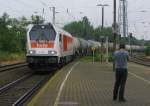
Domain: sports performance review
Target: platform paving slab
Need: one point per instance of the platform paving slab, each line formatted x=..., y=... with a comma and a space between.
x=88, y=84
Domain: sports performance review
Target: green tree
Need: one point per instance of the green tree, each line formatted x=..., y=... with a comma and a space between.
x=85, y=30
x=12, y=33
x=80, y=29
x=36, y=19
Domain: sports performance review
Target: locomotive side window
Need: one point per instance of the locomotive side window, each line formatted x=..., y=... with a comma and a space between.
x=60, y=38
x=38, y=32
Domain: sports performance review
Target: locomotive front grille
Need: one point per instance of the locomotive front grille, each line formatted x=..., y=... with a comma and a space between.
x=42, y=59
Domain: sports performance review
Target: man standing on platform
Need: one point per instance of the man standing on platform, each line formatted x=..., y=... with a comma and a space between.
x=121, y=58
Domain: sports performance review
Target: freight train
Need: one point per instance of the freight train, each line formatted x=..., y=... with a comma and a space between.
x=48, y=44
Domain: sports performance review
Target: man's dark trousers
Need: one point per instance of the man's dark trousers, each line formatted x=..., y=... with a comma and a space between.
x=121, y=77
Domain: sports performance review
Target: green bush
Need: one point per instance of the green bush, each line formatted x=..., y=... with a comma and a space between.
x=147, y=51
x=6, y=56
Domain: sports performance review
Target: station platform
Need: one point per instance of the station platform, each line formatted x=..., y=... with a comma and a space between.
x=91, y=84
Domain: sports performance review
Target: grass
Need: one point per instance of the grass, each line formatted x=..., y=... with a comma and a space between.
x=6, y=57
x=98, y=57
x=86, y=59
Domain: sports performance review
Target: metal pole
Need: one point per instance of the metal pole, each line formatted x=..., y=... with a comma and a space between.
x=115, y=32
x=43, y=13
x=130, y=42
x=114, y=25
x=124, y=19
x=93, y=55
x=54, y=15
x=102, y=18
x=102, y=5
x=54, y=12
x=102, y=45
x=107, y=56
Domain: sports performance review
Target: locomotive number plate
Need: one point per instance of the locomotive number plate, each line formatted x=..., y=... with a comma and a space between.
x=42, y=52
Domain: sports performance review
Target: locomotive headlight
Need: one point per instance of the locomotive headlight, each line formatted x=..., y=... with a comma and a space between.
x=52, y=52
x=31, y=51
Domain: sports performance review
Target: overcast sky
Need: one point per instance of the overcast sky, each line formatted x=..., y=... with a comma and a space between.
x=139, y=22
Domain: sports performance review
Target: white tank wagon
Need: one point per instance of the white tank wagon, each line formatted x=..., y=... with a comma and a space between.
x=95, y=44
x=136, y=48
x=89, y=45
x=83, y=46
x=98, y=44
x=76, y=45
x=142, y=48
x=48, y=44
x=89, y=49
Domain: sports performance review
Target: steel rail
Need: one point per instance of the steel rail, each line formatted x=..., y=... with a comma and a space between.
x=12, y=66
x=29, y=93
x=140, y=60
x=8, y=86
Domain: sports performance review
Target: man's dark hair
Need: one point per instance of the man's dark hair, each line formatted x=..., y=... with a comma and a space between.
x=122, y=46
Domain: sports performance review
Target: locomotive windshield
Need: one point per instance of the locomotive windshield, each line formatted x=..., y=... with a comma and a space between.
x=42, y=32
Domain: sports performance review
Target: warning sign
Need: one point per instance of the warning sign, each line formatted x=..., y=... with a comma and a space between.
x=93, y=48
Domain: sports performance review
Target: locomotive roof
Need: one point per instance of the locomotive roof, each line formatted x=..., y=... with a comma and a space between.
x=57, y=29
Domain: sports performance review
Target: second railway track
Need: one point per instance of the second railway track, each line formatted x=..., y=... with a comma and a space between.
x=140, y=60
x=15, y=93
x=12, y=66
x=20, y=83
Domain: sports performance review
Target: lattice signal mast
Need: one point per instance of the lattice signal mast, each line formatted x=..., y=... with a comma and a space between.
x=123, y=18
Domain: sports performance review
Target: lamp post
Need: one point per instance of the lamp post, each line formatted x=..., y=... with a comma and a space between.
x=102, y=27
x=54, y=14
x=102, y=5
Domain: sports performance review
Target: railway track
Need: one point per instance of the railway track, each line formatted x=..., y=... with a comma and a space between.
x=24, y=83
x=12, y=66
x=18, y=91
x=13, y=72
x=20, y=83
x=30, y=92
x=140, y=60
x=8, y=86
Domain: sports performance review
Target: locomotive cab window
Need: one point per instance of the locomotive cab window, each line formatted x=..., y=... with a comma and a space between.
x=42, y=32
